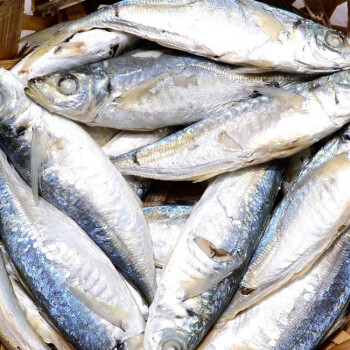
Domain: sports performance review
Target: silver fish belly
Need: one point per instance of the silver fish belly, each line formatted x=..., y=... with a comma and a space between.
x=249, y=133
x=80, y=180
x=298, y=316
x=217, y=241
x=147, y=89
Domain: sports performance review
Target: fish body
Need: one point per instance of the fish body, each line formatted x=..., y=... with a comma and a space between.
x=15, y=330
x=252, y=132
x=299, y=315
x=165, y=223
x=69, y=276
x=241, y=32
x=78, y=179
x=217, y=241
x=147, y=89
x=82, y=48
x=310, y=217
x=101, y=135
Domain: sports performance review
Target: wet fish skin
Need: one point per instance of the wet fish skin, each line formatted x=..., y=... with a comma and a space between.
x=15, y=330
x=315, y=212
x=24, y=299
x=148, y=89
x=101, y=135
x=249, y=133
x=299, y=315
x=217, y=241
x=67, y=273
x=259, y=35
x=166, y=223
x=80, y=180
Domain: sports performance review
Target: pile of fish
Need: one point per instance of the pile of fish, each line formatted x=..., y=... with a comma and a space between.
x=251, y=100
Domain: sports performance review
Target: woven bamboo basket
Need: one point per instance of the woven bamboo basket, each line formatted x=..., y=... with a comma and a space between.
x=46, y=13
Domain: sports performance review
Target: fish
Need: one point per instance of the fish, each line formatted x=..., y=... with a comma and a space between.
x=165, y=223
x=252, y=132
x=240, y=32
x=68, y=275
x=298, y=316
x=73, y=174
x=216, y=242
x=15, y=330
x=71, y=44
x=314, y=212
x=147, y=89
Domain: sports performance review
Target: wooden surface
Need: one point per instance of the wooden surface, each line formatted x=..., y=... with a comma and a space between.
x=161, y=192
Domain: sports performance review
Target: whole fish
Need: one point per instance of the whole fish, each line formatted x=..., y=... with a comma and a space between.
x=165, y=223
x=15, y=330
x=147, y=89
x=237, y=32
x=217, y=241
x=315, y=211
x=79, y=179
x=249, y=133
x=78, y=49
x=298, y=316
x=69, y=276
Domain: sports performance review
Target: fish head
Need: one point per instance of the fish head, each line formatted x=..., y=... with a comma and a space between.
x=13, y=100
x=326, y=49
x=74, y=94
x=160, y=338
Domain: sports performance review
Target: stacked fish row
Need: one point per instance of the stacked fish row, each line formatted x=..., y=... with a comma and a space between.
x=260, y=262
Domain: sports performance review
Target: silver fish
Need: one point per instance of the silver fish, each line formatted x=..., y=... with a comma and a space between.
x=311, y=216
x=147, y=89
x=69, y=276
x=217, y=241
x=79, y=179
x=15, y=330
x=250, y=133
x=71, y=44
x=237, y=32
x=298, y=316
x=165, y=223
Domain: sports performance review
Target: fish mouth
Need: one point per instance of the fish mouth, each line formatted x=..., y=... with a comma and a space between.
x=35, y=94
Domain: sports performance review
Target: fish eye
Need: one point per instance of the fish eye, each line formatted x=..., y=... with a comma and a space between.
x=172, y=344
x=67, y=85
x=334, y=39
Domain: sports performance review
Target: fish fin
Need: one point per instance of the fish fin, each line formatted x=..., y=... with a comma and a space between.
x=70, y=49
x=284, y=96
x=134, y=95
x=203, y=177
x=38, y=156
x=38, y=38
x=269, y=24
x=100, y=307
